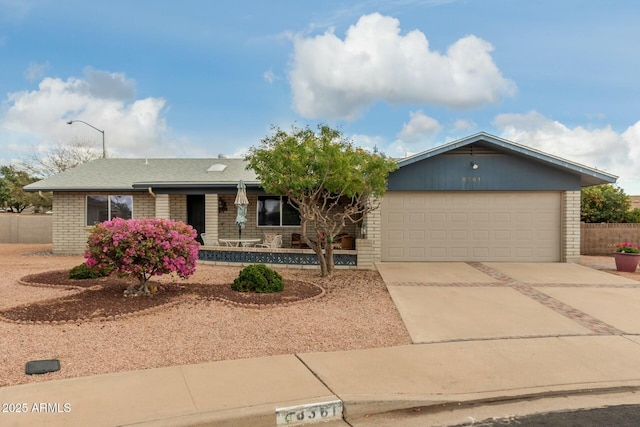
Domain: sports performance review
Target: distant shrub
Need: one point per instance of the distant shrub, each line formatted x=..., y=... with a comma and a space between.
x=258, y=278
x=83, y=271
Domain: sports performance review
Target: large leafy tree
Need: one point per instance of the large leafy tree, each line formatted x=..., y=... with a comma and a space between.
x=326, y=178
x=604, y=203
x=11, y=194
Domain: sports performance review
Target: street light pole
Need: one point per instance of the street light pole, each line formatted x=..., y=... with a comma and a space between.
x=104, y=151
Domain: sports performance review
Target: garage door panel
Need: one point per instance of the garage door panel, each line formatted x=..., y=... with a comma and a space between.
x=416, y=217
x=436, y=235
x=416, y=252
x=459, y=217
x=396, y=218
x=437, y=253
x=480, y=235
x=502, y=235
x=395, y=252
x=471, y=226
x=502, y=217
x=459, y=235
x=419, y=235
x=479, y=217
x=481, y=253
x=395, y=235
x=460, y=252
x=501, y=253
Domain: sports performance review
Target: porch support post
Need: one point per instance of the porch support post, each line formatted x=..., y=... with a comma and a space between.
x=211, y=215
x=162, y=206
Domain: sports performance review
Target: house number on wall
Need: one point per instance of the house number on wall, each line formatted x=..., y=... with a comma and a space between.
x=470, y=179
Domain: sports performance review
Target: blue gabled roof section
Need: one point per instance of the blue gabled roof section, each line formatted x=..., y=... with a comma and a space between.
x=588, y=175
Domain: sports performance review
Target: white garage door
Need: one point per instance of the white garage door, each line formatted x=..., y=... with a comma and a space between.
x=471, y=226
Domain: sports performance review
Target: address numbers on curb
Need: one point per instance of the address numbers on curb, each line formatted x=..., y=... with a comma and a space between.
x=310, y=413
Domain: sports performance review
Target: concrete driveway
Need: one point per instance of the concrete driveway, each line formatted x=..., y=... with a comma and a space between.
x=460, y=301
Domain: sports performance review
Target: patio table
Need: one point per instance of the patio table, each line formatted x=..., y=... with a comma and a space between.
x=240, y=242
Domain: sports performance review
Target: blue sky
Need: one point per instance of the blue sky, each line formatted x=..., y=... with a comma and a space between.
x=203, y=78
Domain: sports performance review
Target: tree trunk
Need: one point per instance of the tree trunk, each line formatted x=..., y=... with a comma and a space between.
x=329, y=258
x=317, y=247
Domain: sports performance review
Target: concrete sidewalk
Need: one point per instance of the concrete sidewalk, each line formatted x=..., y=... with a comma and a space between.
x=482, y=333
x=248, y=392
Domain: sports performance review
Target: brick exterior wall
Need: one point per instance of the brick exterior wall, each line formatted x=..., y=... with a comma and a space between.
x=178, y=207
x=69, y=227
x=373, y=222
x=163, y=209
x=70, y=231
x=570, y=227
x=211, y=216
x=144, y=205
x=365, y=254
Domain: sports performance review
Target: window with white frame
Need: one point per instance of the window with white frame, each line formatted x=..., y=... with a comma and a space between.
x=102, y=208
x=275, y=211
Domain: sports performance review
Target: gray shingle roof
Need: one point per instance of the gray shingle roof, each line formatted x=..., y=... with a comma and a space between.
x=127, y=174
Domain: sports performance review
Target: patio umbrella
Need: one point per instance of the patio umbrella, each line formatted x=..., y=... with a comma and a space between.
x=241, y=204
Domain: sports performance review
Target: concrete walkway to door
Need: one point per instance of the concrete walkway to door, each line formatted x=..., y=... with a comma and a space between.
x=457, y=301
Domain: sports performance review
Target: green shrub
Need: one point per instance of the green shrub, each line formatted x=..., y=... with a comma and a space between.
x=82, y=271
x=258, y=278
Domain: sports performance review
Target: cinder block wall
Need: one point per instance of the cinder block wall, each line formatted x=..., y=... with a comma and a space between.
x=601, y=239
x=25, y=228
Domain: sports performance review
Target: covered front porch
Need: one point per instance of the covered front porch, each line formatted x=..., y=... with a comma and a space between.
x=214, y=215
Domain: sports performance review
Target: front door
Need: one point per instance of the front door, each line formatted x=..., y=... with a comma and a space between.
x=195, y=213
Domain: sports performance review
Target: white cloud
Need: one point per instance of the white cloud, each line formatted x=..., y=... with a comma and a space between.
x=603, y=148
x=419, y=128
x=463, y=125
x=335, y=78
x=269, y=76
x=105, y=85
x=14, y=10
x=36, y=71
x=368, y=142
x=133, y=127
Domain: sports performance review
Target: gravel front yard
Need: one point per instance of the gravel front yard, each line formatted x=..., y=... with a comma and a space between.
x=356, y=312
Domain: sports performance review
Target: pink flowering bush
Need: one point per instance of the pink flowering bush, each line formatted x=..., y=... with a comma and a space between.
x=142, y=248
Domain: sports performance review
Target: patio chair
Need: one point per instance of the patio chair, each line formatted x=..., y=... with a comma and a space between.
x=343, y=241
x=207, y=240
x=271, y=241
x=296, y=241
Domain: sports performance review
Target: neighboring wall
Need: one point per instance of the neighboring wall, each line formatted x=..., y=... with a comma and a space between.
x=601, y=239
x=25, y=228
